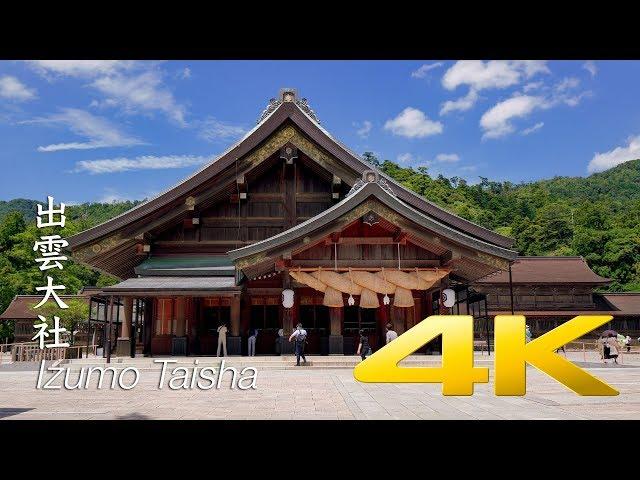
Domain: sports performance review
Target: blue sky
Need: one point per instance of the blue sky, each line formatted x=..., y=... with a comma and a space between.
x=113, y=130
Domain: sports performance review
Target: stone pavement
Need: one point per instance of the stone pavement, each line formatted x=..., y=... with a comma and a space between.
x=322, y=393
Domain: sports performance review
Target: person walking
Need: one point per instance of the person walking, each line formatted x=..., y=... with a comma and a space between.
x=612, y=351
x=391, y=333
x=222, y=339
x=627, y=343
x=527, y=334
x=251, y=342
x=364, y=349
x=300, y=336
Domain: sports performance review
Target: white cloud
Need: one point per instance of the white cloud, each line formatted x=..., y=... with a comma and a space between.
x=574, y=100
x=607, y=160
x=144, y=92
x=136, y=87
x=424, y=69
x=111, y=195
x=496, y=122
x=365, y=129
x=13, y=89
x=405, y=158
x=590, y=66
x=186, y=73
x=99, y=131
x=79, y=68
x=480, y=75
x=567, y=83
x=461, y=104
x=468, y=168
x=532, y=86
x=532, y=129
x=214, y=130
x=147, y=162
x=412, y=123
x=447, y=158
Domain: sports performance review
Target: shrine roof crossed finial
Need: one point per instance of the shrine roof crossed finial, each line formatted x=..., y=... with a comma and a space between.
x=288, y=95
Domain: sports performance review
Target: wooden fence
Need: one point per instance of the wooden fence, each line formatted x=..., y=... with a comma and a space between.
x=31, y=352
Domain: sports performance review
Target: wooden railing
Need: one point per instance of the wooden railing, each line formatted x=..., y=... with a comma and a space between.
x=31, y=352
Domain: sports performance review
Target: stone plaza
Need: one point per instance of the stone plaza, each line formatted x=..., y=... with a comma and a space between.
x=325, y=389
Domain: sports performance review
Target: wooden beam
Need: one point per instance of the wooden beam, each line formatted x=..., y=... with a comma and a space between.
x=195, y=243
x=365, y=264
x=366, y=241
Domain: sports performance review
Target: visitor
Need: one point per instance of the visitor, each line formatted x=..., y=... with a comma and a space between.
x=279, y=337
x=364, y=350
x=611, y=348
x=527, y=334
x=222, y=339
x=627, y=343
x=391, y=334
x=300, y=336
x=252, y=342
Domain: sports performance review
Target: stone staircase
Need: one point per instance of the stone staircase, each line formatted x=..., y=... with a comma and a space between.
x=285, y=362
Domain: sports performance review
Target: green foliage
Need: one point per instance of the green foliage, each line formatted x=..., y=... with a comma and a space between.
x=597, y=217
x=77, y=312
x=18, y=231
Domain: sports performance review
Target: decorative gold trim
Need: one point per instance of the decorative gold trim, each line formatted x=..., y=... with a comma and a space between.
x=86, y=253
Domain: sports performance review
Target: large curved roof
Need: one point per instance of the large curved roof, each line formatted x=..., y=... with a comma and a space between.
x=287, y=111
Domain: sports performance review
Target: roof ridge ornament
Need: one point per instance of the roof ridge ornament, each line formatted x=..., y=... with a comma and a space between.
x=371, y=176
x=288, y=95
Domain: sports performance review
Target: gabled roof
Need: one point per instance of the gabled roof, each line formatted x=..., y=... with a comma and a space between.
x=207, y=266
x=548, y=270
x=358, y=195
x=185, y=285
x=285, y=112
x=20, y=306
x=624, y=303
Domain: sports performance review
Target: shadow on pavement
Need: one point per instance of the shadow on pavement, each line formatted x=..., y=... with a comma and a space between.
x=8, y=412
x=133, y=416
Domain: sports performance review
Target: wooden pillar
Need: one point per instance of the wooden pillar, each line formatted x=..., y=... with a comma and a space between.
x=335, y=316
x=288, y=315
x=180, y=317
x=148, y=325
x=235, y=316
x=398, y=315
x=125, y=341
x=336, y=340
x=107, y=342
x=128, y=315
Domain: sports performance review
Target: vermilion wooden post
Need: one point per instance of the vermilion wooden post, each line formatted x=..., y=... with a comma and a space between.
x=109, y=326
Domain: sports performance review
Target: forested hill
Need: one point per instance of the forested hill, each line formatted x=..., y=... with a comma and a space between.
x=597, y=217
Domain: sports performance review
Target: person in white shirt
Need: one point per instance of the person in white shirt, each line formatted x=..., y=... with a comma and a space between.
x=252, y=342
x=222, y=339
x=391, y=333
x=300, y=336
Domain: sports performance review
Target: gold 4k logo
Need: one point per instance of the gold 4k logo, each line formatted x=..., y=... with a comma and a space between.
x=512, y=353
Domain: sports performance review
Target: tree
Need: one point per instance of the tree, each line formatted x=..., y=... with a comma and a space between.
x=70, y=318
x=12, y=224
x=371, y=158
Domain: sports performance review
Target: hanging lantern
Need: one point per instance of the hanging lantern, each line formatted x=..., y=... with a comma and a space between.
x=448, y=297
x=386, y=300
x=287, y=298
x=351, y=301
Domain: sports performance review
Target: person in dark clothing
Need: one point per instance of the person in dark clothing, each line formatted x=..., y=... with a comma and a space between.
x=364, y=349
x=300, y=336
